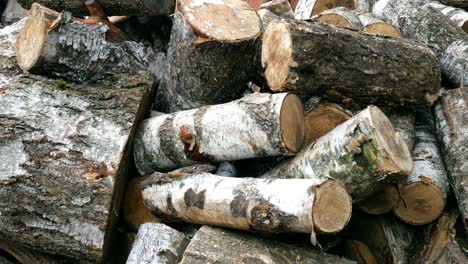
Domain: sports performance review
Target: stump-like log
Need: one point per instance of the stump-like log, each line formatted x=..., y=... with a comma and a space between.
x=340, y=17
x=56, y=45
x=456, y=15
x=381, y=202
x=210, y=55
x=365, y=153
x=112, y=7
x=373, y=25
x=424, y=192
x=262, y=205
x=256, y=125
x=420, y=22
x=452, y=129
x=157, y=243
x=281, y=8
x=216, y=245
x=305, y=9
x=313, y=58
x=359, y=252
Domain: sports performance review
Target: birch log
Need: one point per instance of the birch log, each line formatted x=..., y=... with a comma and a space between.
x=418, y=21
x=311, y=58
x=364, y=153
x=210, y=54
x=261, y=205
x=452, y=130
x=364, y=6
x=256, y=125
x=373, y=25
x=457, y=15
x=381, y=202
x=112, y=8
x=424, y=192
x=156, y=244
x=56, y=45
x=305, y=9
x=404, y=123
x=216, y=245
x=281, y=8
x=340, y=17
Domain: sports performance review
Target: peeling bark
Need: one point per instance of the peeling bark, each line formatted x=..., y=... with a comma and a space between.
x=340, y=17
x=404, y=124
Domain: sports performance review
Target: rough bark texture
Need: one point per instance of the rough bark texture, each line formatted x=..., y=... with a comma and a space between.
x=452, y=129
x=216, y=245
x=64, y=153
x=305, y=9
x=111, y=7
x=356, y=153
x=281, y=8
x=252, y=126
x=340, y=17
x=316, y=59
x=404, y=124
x=418, y=21
x=457, y=15
x=157, y=244
x=187, y=77
x=374, y=25
x=364, y=6
x=269, y=206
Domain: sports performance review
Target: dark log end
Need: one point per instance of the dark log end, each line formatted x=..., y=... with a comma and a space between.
x=292, y=123
x=382, y=202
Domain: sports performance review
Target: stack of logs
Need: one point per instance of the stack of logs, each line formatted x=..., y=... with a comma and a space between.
x=302, y=131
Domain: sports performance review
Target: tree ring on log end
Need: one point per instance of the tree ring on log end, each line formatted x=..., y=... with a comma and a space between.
x=277, y=54
x=31, y=38
x=322, y=5
x=420, y=203
x=221, y=20
x=335, y=20
x=332, y=207
x=382, y=28
x=398, y=156
x=292, y=122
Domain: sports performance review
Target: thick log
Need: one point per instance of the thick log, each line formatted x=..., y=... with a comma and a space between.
x=112, y=8
x=424, y=192
x=457, y=15
x=365, y=153
x=340, y=17
x=359, y=252
x=452, y=130
x=210, y=55
x=261, y=205
x=420, y=22
x=305, y=9
x=281, y=8
x=54, y=45
x=310, y=58
x=373, y=25
x=64, y=151
x=256, y=125
x=157, y=243
x=381, y=202
x=216, y=245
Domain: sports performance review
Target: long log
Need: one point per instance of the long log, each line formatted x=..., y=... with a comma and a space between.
x=420, y=22
x=210, y=55
x=373, y=25
x=310, y=58
x=157, y=243
x=305, y=9
x=364, y=153
x=261, y=205
x=452, y=131
x=64, y=150
x=112, y=8
x=340, y=17
x=456, y=15
x=216, y=245
x=256, y=125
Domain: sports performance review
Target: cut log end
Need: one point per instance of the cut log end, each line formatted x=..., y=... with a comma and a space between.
x=398, y=155
x=322, y=5
x=335, y=20
x=223, y=20
x=332, y=207
x=420, y=203
x=292, y=122
x=384, y=29
x=382, y=202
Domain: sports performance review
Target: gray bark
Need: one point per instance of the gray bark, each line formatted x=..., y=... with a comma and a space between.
x=216, y=245
x=404, y=123
x=281, y=8
x=111, y=7
x=157, y=244
x=457, y=15
x=364, y=6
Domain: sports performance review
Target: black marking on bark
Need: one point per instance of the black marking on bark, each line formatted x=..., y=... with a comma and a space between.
x=167, y=143
x=197, y=120
x=239, y=206
x=170, y=207
x=191, y=198
x=267, y=217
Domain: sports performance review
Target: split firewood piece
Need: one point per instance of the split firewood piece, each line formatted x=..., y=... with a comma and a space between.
x=26, y=256
x=261, y=205
x=359, y=252
x=340, y=17
x=424, y=192
x=217, y=245
x=305, y=9
x=256, y=125
x=112, y=8
x=75, y=51
x=420, y=22
x=281, y=8
x=381, y=202
x=210, y=54
x=373, y=25
x=456, y=15
x=364, y=6
x=157, y=243
x=369, y=70
x=365, y=153
x=452, y=129
x=456, y=3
